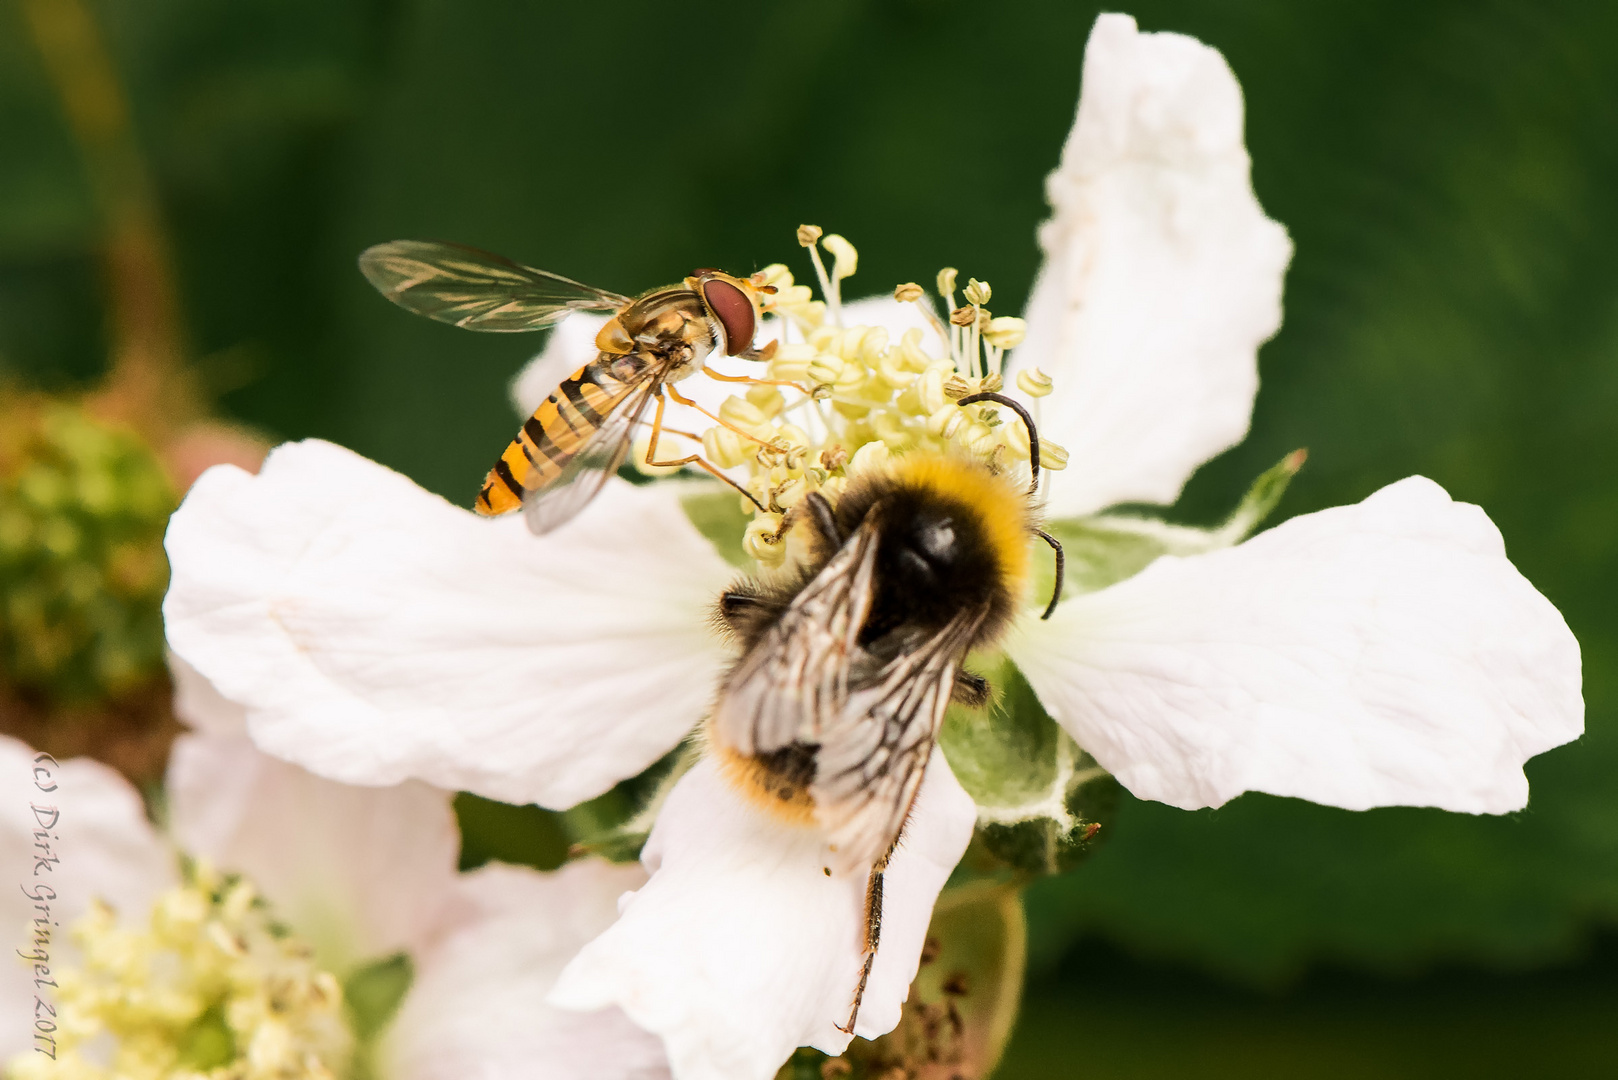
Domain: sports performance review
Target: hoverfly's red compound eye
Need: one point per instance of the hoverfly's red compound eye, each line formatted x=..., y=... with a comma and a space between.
x=734, y=311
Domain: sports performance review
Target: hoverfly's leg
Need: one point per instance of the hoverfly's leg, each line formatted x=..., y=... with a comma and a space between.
x=702, y=463
x=657, y=425
x=658, y=429
x=688, y=403
x=689, y=459
x=753, y=380
x=753, y=353
x=873, y=933
x=673, y=431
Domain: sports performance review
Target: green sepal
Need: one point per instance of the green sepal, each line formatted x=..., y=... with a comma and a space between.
x=1262, y=497
x=208, y=1043
x=1104, y=549
x=373, y=992
x=372, y=995
x=1042, y=802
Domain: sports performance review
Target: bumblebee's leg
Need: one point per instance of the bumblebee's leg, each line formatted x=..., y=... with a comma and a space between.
x=970, y=690
x=736, y=606
x=825, y=519
x=873, y=933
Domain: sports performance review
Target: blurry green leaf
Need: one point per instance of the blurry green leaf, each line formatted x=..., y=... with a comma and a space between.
x=499, y=832
x=615, y=825
x=718, y=516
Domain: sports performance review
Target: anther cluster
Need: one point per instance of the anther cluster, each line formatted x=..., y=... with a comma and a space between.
x=210, y=988
x=847, y=396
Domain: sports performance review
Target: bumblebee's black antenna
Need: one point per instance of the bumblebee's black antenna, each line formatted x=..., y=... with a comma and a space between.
x=1061, y=567
x=1033, y=467
x=1027, y=422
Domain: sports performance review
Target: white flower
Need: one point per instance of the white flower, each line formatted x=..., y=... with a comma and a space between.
x=1368, y=655
x=361, y=874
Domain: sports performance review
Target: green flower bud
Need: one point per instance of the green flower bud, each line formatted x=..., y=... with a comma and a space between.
x=83, y=507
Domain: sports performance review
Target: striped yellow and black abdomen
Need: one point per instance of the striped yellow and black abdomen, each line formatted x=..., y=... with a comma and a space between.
x=549, y=439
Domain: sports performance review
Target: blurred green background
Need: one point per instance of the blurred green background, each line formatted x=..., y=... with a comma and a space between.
x=1448, y=171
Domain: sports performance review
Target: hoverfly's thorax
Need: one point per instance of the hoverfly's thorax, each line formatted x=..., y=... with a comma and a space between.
x=613, y=338
x=672, y=324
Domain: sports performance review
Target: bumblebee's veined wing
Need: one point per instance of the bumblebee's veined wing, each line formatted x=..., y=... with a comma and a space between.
x=793, y=680
x=874, y=753
x=871, y=718
x=474, y=289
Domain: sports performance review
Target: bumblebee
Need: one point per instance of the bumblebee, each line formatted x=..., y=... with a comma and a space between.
x=579, y=435
x=830, y=714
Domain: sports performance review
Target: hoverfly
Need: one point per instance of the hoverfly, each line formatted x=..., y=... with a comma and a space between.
x=830, y=714
x=580, y=434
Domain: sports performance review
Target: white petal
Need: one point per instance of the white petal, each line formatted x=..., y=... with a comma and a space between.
x=200, y=705
x=742, y=947
x=1380, y=654
x=70, y=832
x=1162, y=274
x=476, y=1008
x=896, y=318
x=376, y=633
x=359, y=872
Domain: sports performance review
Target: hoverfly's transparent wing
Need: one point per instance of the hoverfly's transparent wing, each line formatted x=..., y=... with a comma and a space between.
x=556, y=501
x=476, y=290
x=870, y=720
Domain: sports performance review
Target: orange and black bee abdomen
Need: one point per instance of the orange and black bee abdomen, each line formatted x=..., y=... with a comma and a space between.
x=550, y=438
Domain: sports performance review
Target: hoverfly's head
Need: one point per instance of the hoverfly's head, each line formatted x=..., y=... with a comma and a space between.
x=733, y=303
